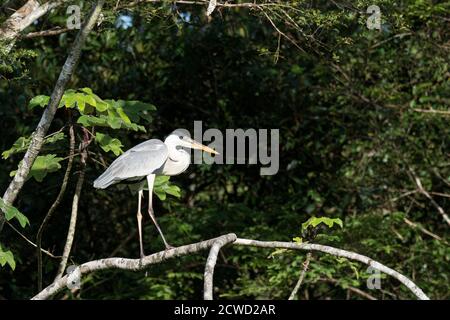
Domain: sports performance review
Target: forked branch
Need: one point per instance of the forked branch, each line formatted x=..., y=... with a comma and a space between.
x=215, y=244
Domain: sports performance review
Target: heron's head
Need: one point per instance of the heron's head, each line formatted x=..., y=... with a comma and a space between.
x=182, y=138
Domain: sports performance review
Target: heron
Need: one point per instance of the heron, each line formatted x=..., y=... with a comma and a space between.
x=144, y=162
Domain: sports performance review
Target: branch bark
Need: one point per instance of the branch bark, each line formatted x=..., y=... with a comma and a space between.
x=140, y=264
x=45, y=33
x=76, y=198
x=129, y=264
x=23, y=18
x=302, y=276
x=422, y=190
x=47, y=117
x=211, y=263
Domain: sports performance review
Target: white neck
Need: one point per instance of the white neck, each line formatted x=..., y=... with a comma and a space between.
x=178, y=161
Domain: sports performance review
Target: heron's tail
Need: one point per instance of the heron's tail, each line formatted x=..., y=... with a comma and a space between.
x=104, y=181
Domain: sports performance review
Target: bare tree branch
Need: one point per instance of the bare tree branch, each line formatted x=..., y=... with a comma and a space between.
x=140, y=264
x=302, y=276
x=422, y=229
x=45, y=33
x=55, y=205
x=419, y=185
x=130, y=264
x=210, y=264
x=24, y=17
x=433, y=111
x=12, y=26
x=29, y=241
x=76, y=198
x=47, y=117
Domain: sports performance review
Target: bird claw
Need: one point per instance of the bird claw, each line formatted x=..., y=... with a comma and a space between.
x=169, y=247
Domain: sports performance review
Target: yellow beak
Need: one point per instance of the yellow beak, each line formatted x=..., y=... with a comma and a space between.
x=197, y=145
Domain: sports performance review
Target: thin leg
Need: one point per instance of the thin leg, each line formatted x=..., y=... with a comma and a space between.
x=151, y=181
x=139, y=220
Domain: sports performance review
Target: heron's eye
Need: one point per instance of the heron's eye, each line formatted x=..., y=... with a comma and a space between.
x=181, y=137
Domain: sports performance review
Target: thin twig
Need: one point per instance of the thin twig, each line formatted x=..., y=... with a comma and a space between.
x=302, y=276
x=55, y=205
x=76, y=198
x=45, y=33
x=31, y=242
x=418, y=182
x=427, y=232
x=432, y=111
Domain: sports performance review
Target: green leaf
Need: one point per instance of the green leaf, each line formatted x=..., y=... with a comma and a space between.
x=163, y=187
x=69, y=99
x=160, y=180
x=114, y=121
x=135, y=110
x=42, y=166
x=7, y=257
x=173, y=190
x=12, y=212
x=123, y=115
x=40, y=100
x=298, y=240
x=160, y=194
x=108, y=143
x=91, y=121
x=87, y=90
x=314, y=222
x=22, y=144
x=90, y=100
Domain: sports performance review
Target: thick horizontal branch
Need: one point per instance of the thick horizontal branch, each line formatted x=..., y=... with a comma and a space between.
x=140, y=264
x=131, y=264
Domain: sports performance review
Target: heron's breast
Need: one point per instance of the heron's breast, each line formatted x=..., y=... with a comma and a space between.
x=172, y=168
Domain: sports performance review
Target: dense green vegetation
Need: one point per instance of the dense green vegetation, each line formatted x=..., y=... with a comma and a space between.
x=355, y=137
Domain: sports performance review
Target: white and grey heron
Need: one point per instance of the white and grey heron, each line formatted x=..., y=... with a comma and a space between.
x=147, y=160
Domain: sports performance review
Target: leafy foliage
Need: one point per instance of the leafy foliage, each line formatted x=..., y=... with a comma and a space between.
x=22, y=144
x=12, y=212
x=314, y=222
x=163, y=187
x=42, y=166
x=6, y=257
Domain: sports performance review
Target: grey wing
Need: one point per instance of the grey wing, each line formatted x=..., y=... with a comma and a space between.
x=139, y=161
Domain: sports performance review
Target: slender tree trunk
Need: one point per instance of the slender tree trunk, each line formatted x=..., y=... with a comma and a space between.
x=54, y=206
x=76, y=198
